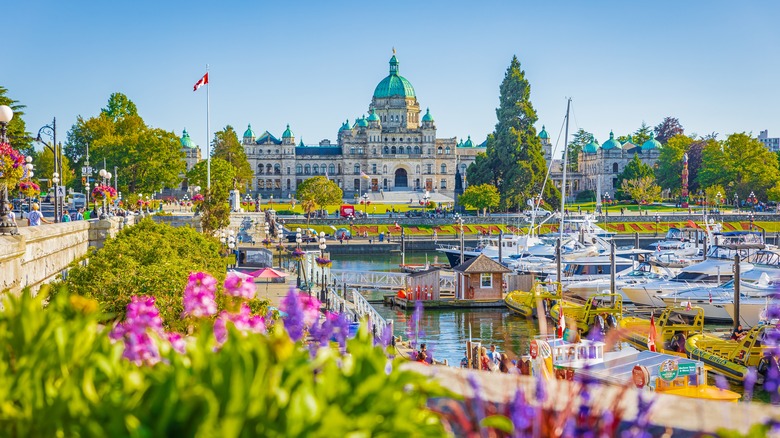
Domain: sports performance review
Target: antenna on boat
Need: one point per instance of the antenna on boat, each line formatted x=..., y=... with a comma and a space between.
x=565, y=165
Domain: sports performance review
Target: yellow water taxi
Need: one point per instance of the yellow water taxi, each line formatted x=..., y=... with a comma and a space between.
x=732, y=357
x=605, y=310
x=670, y=335
x=527, y=303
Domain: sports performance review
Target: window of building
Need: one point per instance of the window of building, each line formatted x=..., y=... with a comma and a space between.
x=614, y=167
x=298, y=169
x=357, y=169
x=443, y=184
x=418, y=169
x=306, y=170
x=417, y=150
x=316, y=169
x=259, y=151
x=439, y=150
x=356, y=184
x=429, y=168
x=360, y=149
x=409, y=150
x=400, y=139
x=331, y=169
x=486, y=280
x=384, y=169
x=269, y=169
x=443, y=168
x=387, y=150
x=288, y=170
x=393, y=150
x=447, y=150
x=373, y=169
x=277, y=169
x=352, y=150
x=260, y=169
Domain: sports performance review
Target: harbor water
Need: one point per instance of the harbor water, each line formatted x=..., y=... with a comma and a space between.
x=445, y=331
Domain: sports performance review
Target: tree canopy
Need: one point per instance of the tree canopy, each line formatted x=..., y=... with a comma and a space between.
x=481, y=197
x=16, y=130
x=634, y=170
x=514, y=162
x=642, y=134
x=740, y=163
x=318, y=191
x=667, y=129
x=577, y=143
x=641, y=189
x=148, y=159
x=228, y=147
x=670, y=162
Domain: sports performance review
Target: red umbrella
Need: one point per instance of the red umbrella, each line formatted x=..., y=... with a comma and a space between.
x=268, y=273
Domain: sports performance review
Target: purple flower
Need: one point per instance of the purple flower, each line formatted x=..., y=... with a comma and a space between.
x=239, y=285
x=141, y=319
x=414, y=332
x=640, y=423
x=479, y=407
x=521, y=413
x=295, y=322
x=385, y=337
x=199, y=295
x=721, y=382
x=244, y=322
x=340, y=324
x=177, y=342
x=750, y=381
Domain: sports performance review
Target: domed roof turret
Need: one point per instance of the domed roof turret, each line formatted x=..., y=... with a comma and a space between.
x=287, y=133
x=544, y=134
x=611, y=143
x=361, y=122
x=373, y=117
x=592, y=147
x=427, y=117
x=468, y=143
x=394, y=84
x=249, y=133
x=186, y=141
x=345, y=126
x=651, y=144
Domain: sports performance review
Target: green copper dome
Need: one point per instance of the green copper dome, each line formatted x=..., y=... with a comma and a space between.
x=427, y=117
x=373, y=117
x=249, y=133
x=468, y=143
x=287, y=133
x=345, y=126
x=611, y=143
x=361, y=122
x=592, y=147
x=186, y=141
x=651, y=144
x=394, y=84
x=544, y=134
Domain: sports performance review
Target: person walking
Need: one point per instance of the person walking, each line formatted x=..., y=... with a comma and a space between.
x=80, y=214
x=11, y=214
x=36, y=217
x=65, y=216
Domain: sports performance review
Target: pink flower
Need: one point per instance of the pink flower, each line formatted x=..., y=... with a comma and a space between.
x=239, y=285
x=244, y=322
x=199, y=295
x=142, y=319
x=177, y=342
x=311, y=309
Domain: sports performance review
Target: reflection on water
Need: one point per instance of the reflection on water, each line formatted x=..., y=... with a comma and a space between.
x=446, y=331
x=389, y=261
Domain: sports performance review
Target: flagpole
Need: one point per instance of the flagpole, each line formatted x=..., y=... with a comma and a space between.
x=208, y=142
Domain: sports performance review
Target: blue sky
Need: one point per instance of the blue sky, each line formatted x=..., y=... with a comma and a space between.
x=712, y=64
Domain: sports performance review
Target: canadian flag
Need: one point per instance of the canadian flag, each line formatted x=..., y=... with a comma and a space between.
x=561, y=323
x=201, y=82
x=651, y=335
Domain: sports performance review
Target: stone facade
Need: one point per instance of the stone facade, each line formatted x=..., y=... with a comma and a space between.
x=394, y=148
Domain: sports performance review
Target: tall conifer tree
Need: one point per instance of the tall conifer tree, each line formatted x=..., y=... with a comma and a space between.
x=514, y=162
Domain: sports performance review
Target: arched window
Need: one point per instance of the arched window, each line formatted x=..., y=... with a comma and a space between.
x=288, y=184
x=439, y=150
x=260, y=169
x=269, y=169
x=443, y=168
x=614, y=167
x=316, y=169
x=393, y=150
x=331, y=169
x=447, y=150
x=306, y=169
x=384, y=169
x=387, y=150
x=277, y=169
x=357, y=169
x=417, y=170
x=259, y=151
x=298, y=169
x=409, y=150
x=400, y=149
x=417, y=150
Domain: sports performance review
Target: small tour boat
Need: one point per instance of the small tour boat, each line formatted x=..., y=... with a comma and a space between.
x=729, y=357
x=527, y=303
x=670, y=336
x=602, y=310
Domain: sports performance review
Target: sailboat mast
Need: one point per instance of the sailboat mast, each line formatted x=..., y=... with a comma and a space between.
x=565, y=165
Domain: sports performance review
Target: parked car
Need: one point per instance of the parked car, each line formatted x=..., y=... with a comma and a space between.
x=540, y=212
x=305, y=237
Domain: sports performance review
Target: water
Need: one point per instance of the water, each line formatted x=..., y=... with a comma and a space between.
x=446, y=331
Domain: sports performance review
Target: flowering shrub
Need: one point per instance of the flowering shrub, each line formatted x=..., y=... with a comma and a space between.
x=11, y=166
x=323, y=262
x=198, y=198
x=102, y=192
x=199, y=295
x=29, y=189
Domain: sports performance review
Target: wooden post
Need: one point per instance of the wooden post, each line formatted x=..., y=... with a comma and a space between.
x=737, y=277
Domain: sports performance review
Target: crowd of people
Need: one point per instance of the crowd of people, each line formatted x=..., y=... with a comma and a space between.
x=492, y=360
x=35, y=217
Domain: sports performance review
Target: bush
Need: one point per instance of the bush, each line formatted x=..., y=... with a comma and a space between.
x=61, y=376
x=148, y=258
x=586, y=196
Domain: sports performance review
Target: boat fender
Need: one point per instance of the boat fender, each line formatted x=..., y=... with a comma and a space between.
x=599, y=324
x=612, y=321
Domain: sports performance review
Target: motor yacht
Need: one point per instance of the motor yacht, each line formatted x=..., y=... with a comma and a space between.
x=643, y=273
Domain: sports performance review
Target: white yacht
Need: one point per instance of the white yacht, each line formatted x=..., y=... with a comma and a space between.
x=713, y=300
x=643, y=273
x=708, y=273
x=753, y=311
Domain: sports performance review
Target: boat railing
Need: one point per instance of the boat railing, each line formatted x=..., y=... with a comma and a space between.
x=364, y=309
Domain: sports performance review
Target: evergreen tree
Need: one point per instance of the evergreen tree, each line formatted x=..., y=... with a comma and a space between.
x=228, y=147
x=642, y=134
x=16, y=129
x=635, y=170
x=577, y=143
x=514, y=151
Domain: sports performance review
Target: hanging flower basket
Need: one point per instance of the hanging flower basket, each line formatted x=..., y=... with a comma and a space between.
x=323, y=262
x=11, y=166
x=198, y=198
x=281, y=248
x=298, y=254
x=102, y=192
x=29, y=189
x=266, y=243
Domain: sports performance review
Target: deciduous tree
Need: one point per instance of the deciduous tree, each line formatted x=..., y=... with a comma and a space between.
x=317, y=192
x=667, y=129
x=635, y=170
x=741, y=163
x=16, y=130
x=481, y=197
x=642, y=189
x=670, y=163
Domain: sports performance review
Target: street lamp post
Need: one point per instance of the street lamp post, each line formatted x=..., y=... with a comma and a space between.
x=106, y=178
x=657, y=221
x=271, y=202
x=736, y=201
x=426, y=197
x=7, y=226
x=56, y=150
x=365, y=204
x=322, y=255
x=718, y=200
x=298, y=240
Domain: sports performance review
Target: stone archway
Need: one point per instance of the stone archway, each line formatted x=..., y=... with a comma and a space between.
x=401, y=180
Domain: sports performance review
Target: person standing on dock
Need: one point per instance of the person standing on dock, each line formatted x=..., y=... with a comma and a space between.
x=435, y=236
x=494, y=357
